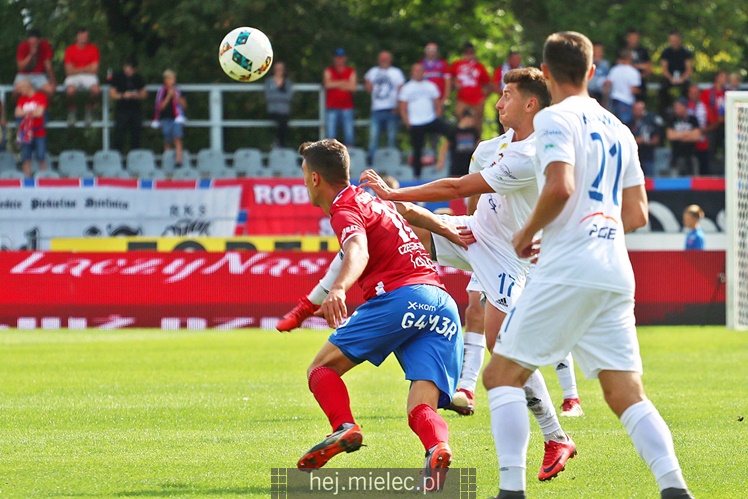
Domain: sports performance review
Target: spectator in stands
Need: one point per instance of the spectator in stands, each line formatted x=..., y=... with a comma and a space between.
x=677, y=67
x=34, y=62
x=437, y=70
x=278, y=94
x=169, y=115
x=461, y=142
x=596, y=85
x=81, y=70
x=513, y=61
x=3, y=129
x=682, y=132
x=734, y=81
x=639, y=59
x=697, y=109
x=420, y=108
x=647, y=130
x=714, y=100
x=32, y=135
x=472, y=83
x=692, y=216
x=340, y=82
x=622, y=85
x=128, y=91
x=383, y=82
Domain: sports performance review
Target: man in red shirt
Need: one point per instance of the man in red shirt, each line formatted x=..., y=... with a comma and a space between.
x=340, y=83
x=407, y=311
x=34, y=62
x=714, y=100
x=472, y=82
x=437, y=70
x=30, y=110
x=81, y=70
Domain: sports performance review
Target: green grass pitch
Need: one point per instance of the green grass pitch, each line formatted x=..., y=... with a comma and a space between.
x=207, y=414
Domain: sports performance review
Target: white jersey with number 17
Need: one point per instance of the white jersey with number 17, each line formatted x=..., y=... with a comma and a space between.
x=584, y=245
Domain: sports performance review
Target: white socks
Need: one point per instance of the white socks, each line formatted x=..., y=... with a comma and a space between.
x=567, y=378
x=510, y=427
x=653, y=441
x=475, y=351
x=319, y=293
x=540, y=404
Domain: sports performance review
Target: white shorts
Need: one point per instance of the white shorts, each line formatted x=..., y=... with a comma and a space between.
x=597, y=326
x=474, y=285
x=501, y=275
x=37, y=80
x=85, y=81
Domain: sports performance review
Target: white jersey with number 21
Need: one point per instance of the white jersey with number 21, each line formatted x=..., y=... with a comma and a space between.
x=584, y=245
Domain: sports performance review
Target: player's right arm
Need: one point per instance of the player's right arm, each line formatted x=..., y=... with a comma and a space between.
x=634, y=208
x=444, y=189
x=355, y=259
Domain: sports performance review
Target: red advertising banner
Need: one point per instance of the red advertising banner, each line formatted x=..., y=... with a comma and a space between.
x=253, y=289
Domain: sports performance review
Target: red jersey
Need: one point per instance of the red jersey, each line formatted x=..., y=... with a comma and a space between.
x=436, y=71
x=43, y=54
x=30, y=103
x=81, y=56
x=714, y=100
x=335, y=97
x=396, y=256
x=470, y=76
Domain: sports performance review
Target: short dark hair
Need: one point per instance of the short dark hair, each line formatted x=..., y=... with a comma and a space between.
x=81, y=29
x=329, y=158
x=530, y=82
x=33, y=33
x=568, y=55
x=468, y=46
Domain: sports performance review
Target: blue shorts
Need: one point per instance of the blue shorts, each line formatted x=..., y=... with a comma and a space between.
x=36, y=148
x=420, y=324
x=171, y=130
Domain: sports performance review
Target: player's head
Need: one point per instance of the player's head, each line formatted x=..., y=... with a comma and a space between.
x=692, y=215
x=567, y=58
x=525, y=93
x=326, y=163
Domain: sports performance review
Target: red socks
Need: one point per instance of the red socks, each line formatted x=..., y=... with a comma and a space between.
x=428, y=425
x=332, y=395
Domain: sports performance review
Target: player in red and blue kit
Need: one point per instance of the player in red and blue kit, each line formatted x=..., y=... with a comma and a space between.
x=407, y=311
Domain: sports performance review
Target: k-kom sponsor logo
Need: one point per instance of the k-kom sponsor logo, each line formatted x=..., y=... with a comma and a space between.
x=172, y=268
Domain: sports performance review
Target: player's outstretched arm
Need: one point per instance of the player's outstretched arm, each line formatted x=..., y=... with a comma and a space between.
x=558, y=188
x=444, y=189
x=423, y=218
x=355, y=259
x=634, y=208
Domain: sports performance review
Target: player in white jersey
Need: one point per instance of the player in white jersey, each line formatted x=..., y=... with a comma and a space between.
x=571, y=406
x=508, y=190
x=581, y=297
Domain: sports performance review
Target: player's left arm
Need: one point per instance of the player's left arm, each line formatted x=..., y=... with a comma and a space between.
x=634, y=208
x=558, y=188
x=355, y=259
x=444, y=189
x=423, y=218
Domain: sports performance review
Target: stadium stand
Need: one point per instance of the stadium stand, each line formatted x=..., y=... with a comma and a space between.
x=107, y=163
x=248, y=163
x=72, y=163
x=210, y=162
x=284, y=162
x=48, y=173
x=7, y=161
x=141, y=162
x=386, y=159
x=168, y=161
x=358, y=161
x=185, y=173
x=8, y=174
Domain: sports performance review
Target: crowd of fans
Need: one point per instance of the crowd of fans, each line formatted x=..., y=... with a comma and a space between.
x=688, y=122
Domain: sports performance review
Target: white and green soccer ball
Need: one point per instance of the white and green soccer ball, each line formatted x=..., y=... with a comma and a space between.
x=245, y=54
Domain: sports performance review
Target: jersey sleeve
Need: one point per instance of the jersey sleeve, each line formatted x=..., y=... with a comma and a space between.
x=512, y=172
x=404, y=93
x=347, y=223
x=555, y=140
x=369, y=74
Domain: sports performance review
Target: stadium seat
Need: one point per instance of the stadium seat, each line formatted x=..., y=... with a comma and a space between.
x=386, y=159
x=248, y=163
x=140, y=162
x=72, y=164
x=168, y=160
x=284, y=162
x=11, y=174
x=401, y=172
x=358, y=161
x=107, y=163
x=210, y=162
x=154, y=174
x=662, y=158
x=7, y=161
x=185, y=173
x=225, y=172
x=48, y=173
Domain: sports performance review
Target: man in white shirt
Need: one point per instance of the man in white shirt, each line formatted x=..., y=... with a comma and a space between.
x=383, y=82
x=581, y=297
x=420, y=109
x=622, y=85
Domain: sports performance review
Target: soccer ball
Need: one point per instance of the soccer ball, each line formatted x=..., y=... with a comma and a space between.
x=245, y=54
